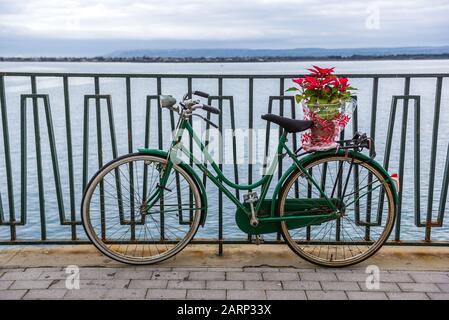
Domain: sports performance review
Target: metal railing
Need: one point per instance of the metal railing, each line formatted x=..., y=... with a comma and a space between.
x=60, y=100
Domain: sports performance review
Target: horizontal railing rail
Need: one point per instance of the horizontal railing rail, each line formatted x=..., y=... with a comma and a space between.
x=217, y=76
x=54, y=110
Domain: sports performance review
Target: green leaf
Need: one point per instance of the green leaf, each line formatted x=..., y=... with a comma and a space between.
x=298, y=98
x=292, y=89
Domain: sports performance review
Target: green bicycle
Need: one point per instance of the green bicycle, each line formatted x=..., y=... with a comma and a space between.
x=333, y=208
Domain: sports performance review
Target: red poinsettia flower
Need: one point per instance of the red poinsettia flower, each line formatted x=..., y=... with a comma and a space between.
x=341, y=83
x=317, y=71
x=322, y=86
x=299, y=81
x=326, y=81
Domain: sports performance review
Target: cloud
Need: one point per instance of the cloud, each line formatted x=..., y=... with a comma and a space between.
x=301, y=23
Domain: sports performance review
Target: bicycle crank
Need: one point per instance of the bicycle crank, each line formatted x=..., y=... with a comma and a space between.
x=251, y=198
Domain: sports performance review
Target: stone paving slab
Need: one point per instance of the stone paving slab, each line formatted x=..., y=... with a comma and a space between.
x=206, y=294
x=243, y=256
x=352, y=295
x=42, y=294
x=220, y=284
x=243, y=283
x=286, y=295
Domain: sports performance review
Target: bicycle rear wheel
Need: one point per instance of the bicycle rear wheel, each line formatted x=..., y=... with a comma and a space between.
x=118, y=221
x=367, y=204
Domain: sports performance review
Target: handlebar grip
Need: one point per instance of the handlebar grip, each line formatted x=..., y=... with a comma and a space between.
x=211, y=109
x=201, y=94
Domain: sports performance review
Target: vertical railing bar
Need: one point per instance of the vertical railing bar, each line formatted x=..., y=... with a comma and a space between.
x=23, y=160
x=339, y=183
x=130, y=150
x=401, y=163
x=100, y=153
x=374, y=104
x=250, y=135
x=40, y=177
x=295, y=141
x=147, y=141
x=323, y=177
x=147, y=122
x=55, y=162
x=85, y=142
x=68, y=128
x=309, y=196
x=374, y=101
x=129, y=115
x=160, y=140
x=267, y=136
x=433, y=154
x=220, y=165
x=159, y=113
x=355, y=128
x=146, y=145
x=178, y=185
x=189, y=92
x=444, y=190
x=387, y=152
x=402, y=154
x=250, y=127
x=2, y=217
x=6, y=146
x=281, y=113
x=234, y=146
x=112, y=131
x=417, y=165
x=206, y=140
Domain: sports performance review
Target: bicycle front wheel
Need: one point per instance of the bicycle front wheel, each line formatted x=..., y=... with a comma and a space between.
x=366, y=201
x=119, y=222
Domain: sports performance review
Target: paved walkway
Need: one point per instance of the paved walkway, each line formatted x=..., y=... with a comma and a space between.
x=243, y=272
x=219, y=283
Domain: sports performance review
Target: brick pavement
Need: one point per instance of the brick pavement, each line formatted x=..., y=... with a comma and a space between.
x=154, y=282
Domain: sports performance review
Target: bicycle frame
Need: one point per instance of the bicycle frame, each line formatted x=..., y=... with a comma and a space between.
x=220, y=180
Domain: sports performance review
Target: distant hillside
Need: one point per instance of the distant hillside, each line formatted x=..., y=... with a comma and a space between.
x=300, y=52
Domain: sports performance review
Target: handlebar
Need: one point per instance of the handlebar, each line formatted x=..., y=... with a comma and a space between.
x=201, y=94
x=167, y=101
x=211, y=109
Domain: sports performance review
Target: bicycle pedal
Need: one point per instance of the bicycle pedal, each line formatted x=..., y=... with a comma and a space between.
x=250, y=197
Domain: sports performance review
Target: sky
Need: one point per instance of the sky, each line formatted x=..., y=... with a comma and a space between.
x=52, y=27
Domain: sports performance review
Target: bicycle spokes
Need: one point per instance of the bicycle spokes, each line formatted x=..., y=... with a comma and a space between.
x=134, y=218
x=366, y=211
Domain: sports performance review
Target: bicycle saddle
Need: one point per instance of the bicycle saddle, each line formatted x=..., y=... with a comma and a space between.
x=289, y=125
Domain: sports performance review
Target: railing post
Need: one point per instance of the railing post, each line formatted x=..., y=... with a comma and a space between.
x=433, y=156
x=68, y=126
x=7, y=150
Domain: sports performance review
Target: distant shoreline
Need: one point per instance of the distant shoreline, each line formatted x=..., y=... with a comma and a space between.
x=226, y=60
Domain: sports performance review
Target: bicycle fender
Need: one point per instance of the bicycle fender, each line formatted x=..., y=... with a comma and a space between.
x=193, y=174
